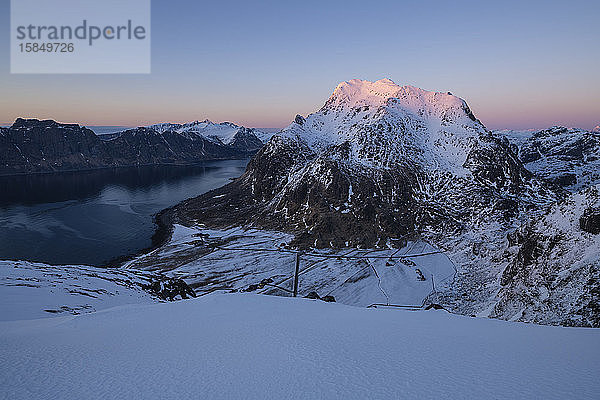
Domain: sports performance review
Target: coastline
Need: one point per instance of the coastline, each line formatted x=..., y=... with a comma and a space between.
x=109, y=167
x=163, y=220
x=162, y=235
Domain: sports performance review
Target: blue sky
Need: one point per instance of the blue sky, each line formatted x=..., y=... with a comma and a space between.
x=518, y=64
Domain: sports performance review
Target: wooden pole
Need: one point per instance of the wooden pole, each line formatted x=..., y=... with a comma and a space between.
x=296, y=274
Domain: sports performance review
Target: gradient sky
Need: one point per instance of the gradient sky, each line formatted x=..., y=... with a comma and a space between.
x=519, y=64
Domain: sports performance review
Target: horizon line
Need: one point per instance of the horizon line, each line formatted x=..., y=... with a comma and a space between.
x=131, y=126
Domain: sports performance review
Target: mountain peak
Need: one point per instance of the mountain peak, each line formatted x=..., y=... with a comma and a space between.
x=357, y=92
x=366, y=91
x=40, y=123
x=596, y=129
x=360, y=84
x=382, y=124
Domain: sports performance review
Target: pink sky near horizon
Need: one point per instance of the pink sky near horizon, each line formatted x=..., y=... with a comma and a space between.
x=536, y=111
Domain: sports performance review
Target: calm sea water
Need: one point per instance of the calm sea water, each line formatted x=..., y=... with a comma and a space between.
x=96, y=216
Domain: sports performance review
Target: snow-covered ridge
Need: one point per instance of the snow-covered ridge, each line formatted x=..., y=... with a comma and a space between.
x=569, y=157
x=596, y=128
x=386, y=124
x=360, y=92
x=33, y=290
x=224, y=132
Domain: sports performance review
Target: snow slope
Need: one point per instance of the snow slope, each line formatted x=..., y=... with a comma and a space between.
x=33, y=290
x=260, y=347
x=199, y=256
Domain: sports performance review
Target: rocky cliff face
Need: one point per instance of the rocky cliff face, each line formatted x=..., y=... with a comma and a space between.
x=553, y=274
x=30, y=146
x=35, y=146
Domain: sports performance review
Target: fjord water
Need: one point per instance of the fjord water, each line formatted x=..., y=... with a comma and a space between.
x=96, y=216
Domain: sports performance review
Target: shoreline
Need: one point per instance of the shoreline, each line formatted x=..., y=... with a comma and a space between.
x=109, y=167
x=162, y=235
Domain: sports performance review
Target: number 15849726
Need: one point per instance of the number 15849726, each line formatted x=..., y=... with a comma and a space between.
x=50, y=47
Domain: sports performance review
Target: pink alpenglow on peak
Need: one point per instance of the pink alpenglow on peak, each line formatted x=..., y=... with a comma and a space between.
x=596, y=129
x=357, y=92
x=437, y=128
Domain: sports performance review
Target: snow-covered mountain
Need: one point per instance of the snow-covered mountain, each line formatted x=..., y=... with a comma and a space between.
x=377, y=162
x=226, y=133
x=380, y=163
x=265, y=134
x=569, y=157
x=596, y=128
x=386, y=125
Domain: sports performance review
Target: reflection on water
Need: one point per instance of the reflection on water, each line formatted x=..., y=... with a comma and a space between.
x=93, y=217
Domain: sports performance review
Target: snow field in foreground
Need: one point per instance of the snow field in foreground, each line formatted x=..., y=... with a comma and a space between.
x=250, y=346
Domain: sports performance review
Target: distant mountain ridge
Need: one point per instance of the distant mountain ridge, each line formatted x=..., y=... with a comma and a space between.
x=569, y=157
x=225, y=133
x=31, y=146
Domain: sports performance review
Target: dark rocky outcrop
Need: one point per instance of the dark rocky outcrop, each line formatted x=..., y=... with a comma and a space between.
x=590, y=221
x=315, y=296
x=170, y=289
x=434, y=306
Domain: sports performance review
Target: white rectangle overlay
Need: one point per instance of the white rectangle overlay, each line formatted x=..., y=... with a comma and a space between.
x=80, y=36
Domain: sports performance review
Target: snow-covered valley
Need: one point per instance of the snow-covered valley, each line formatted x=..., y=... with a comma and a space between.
x=238, y=259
